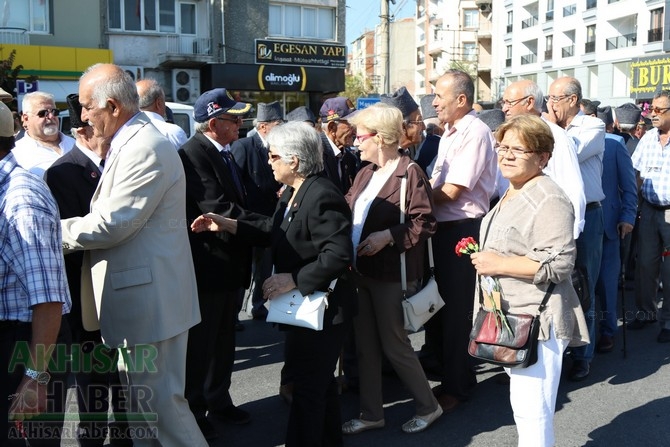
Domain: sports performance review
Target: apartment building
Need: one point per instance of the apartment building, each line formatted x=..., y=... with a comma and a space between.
x=265, y=50
x=615, y=48
x=454, y=34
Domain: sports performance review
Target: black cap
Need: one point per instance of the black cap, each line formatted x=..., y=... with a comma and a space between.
x=74, y=107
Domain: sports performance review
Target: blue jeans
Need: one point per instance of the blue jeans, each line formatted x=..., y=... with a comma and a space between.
x=589, y=255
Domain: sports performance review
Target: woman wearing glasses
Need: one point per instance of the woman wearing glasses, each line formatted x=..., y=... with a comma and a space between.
x=379, y=238
x=43, y=142
x=310, y=236
x=527, y=243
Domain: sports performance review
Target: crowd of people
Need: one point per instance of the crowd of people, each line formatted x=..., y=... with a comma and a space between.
x=136, y=250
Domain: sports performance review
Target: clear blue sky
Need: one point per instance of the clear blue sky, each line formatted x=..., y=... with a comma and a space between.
x=364, y=14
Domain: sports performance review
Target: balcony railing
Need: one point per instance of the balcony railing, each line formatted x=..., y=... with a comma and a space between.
x=528, y=23
x=548, y=55
x=568, y=51
x=590, y=4
x=508, y=62
x=14, y=36
x=569, y=10
x=589, y=47
x=655, y=35
x=627, y=40
x=510, y=28
x=528, y=59
x=176, y=44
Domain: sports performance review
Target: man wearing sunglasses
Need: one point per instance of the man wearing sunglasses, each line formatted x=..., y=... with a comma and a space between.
x=43, y=142
x=588, y=134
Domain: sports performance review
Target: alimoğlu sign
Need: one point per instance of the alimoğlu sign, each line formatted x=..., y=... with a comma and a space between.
x=300, y=53
x=649, y=75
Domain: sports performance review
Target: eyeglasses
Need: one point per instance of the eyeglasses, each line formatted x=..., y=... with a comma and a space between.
x=236, y=120
x=45, y=112
x=273, y=157
x=556, y=99
x=361, y=138
x=416, y=122
x=659, y=110
x=517, y=152
x=512, y=102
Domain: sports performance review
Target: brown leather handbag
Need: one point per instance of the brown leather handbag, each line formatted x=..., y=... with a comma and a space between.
x=512, y=344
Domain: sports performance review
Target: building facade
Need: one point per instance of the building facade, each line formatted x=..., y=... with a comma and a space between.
x=286, y=50
x=615, y=48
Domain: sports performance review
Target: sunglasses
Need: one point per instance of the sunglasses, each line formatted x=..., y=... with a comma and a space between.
x=363, y=137
x=273, y=157
x=45, y=112
x=659, y=110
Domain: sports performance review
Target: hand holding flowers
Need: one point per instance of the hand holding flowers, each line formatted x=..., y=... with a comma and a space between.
x=484, y=263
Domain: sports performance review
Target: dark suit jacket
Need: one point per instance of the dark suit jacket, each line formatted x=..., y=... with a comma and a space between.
x=384, y=213
x=72, y=180
x=428, y=151
x=313, y=241
x=221, y=260
x=261, y=187
x=330, y=169
x=619, y=186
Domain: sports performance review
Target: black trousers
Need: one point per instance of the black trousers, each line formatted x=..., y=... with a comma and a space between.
x=314, y=418
x=211, y=352
x=447, y=333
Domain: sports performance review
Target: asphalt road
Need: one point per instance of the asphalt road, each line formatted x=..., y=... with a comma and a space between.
x=624, y=401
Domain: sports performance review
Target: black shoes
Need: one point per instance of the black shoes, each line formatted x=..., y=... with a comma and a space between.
x=663, y=336
x=580, y=370
x=231, y=415
x=605, y=344
x=207, y=429
x=638, y=324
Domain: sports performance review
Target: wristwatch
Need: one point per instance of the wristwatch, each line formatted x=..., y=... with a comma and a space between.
x=41, y=377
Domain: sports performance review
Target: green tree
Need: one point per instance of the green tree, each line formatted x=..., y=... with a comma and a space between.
x=8, y=76
x=356, y=86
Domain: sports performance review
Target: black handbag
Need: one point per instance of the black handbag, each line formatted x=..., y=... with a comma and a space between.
x=512, y=344
x=580, y=282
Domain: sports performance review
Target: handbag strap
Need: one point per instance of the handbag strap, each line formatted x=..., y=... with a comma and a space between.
x=403, y=262
x=540, y=308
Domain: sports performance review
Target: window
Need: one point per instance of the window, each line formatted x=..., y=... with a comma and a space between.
x=508, y=57
x=590, y=46
x=510, y=21
x=470, y=52
x=31, y=15
x=165, y=16
x=550, y=11
x=656, y=26
x=548, y=47
x=471, y=18
x=301, y=21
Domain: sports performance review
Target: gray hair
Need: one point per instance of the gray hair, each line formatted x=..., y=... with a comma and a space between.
x=32, y=97
x=462, y=84
x=530, y=88
x=151, y=93
x=298, y=139
x=202, y=127
x=627, y=127
x=119, y=85
x=662, y=94
x=573, y=87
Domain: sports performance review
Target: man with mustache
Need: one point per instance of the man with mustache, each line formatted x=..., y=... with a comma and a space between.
x=43, y=142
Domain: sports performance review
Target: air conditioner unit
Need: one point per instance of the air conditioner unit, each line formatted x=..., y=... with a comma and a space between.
x=485, y=6
x=185, y=85
x=135, y=72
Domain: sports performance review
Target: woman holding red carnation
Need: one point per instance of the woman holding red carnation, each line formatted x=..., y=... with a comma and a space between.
x=379, y=238
x=526, y=244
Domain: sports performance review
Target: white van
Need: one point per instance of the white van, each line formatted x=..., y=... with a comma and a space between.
x=182, y=115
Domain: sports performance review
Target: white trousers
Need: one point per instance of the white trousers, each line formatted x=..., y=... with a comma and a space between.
x=533, y=392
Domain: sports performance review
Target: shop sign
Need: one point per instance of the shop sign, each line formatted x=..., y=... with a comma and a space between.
x=282, y=78
x=649, y=75
x=308, y=54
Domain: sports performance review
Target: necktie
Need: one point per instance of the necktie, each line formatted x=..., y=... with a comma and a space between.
x=102, y=164
x=232, y=167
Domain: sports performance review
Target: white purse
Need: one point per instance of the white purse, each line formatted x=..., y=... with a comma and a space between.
x=294, y=309
x=421, y=306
